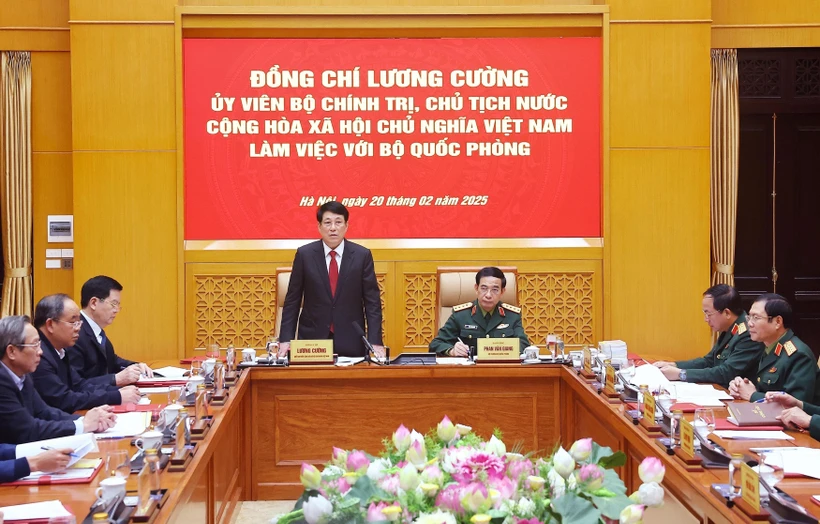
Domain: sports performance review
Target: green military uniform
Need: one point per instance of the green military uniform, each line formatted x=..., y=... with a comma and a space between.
x=814, y=411
x=787, y=366
x=734, y=354
x=469, y=323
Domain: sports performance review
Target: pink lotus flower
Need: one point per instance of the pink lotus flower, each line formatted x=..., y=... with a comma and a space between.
x=581, y=449
x=339, y=457
x=340, y=484
x=374, y=512
x=449, y=499
x=432, y=474
x=505, y=488
x=310, y=476
x=475, y=498
x=446, y=430
x=520, y=468
x=357, y=462
x=632, y=514
x=528, y=521
x=651, y=470
x=390, y=484
x=467, y=469
x=401, y=439
x=592, y=476
x=417, y=454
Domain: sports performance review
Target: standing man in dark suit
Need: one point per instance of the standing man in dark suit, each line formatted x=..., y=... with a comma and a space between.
x=24, y=415
x=95, y=360
x=334, y=281
x=57, y=318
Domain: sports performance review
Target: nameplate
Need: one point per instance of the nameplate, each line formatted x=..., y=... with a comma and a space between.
x=649, y=408
x=750, y=486
x=587, y=361
x=609, y=377
x=311, y=352
x=498, y=350
x=687, y=438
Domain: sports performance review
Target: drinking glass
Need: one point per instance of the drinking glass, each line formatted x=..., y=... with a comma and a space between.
x=174, y=394
x=704, y=421
x=196, y=368
x=771, y=467
x=212, y=351
x=118, y=463
x=667, y=397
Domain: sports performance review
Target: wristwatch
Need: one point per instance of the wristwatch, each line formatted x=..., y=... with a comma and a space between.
x=682, y=375
x=449, y=352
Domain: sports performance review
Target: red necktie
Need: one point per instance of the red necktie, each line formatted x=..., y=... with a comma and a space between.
x=333, y=273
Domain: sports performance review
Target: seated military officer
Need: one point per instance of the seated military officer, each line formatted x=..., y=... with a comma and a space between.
x=733, y=354
x=787, y=365
x=798, y=414
x=486, y=316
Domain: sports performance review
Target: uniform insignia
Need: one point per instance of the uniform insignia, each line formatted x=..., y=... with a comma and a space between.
x=778, y=349
x=470, y=326
x=472, y=312
x=462, y=307
x=512, y=308
x=773, y=369
x=758, y=379
x=720, y=356
x=790, y=348
x=501, y=311
x=502, y=326
x=734, y=329
x=741, y=328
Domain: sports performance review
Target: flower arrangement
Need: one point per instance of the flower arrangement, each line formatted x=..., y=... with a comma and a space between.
x=452, y=476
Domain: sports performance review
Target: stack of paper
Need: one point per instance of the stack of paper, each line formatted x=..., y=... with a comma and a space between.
x=81, y=444
x=35, y=511
x=650, y=376
x=82, y=470
x=615, y=350
x=128, y=425
x=701, y=394
x=800, y=461
x=752, y=435
x=171, y=372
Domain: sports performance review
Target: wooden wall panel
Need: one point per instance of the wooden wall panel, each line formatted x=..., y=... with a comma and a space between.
x=105, y=10
x=659, y=78
x=762, y=23
x=123, y=87
x=660, y=250
x=659, y=10
x=764, y=12
x=125, y=216
x=34, y=13
x=51, y=195
x=50, y=102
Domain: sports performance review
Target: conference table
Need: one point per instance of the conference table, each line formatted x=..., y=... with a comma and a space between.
x=276, y=418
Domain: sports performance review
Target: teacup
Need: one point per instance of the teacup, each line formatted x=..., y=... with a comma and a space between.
x=208, y=366
x=193, y=382
x=149, y=440
x=531, y=353
x=110, y=488
x=172, y=413
x=248, y=355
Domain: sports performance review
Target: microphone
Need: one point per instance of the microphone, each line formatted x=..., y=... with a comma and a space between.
x=359, y=331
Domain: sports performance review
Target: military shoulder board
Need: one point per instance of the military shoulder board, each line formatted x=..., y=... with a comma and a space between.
x=790, y=348
x=512, y=308
x=463, y=306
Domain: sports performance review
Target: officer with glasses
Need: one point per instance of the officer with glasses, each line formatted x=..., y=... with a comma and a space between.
x=787, y=364
x=486, y=316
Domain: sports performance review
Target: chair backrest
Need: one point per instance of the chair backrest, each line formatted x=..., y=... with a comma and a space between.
x=456, y=285
x=282, y=282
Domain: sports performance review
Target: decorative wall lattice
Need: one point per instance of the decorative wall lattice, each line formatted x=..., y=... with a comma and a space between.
x=559, y=303
x=807, y=77
x=234, y=309
x=759, y=77
x=380, y=280
x=419, y=309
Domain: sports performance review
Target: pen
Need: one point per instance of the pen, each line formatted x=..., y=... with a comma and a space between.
x=758, y=401
x=49, y=448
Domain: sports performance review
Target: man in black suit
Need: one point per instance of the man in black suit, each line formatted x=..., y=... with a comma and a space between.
x=24, y=415
x=13, y=468
x=94, y=358
x=57, y=318
x=334, y=281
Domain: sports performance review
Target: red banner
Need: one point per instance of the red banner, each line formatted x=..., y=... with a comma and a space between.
x=420, y=138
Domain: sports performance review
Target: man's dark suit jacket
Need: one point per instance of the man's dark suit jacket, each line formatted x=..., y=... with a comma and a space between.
x=12, y=468
x=357, y=297
x=60, y=386
x=94, y=362
x=26, y=417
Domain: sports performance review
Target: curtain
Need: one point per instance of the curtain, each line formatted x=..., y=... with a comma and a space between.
x=15, y=186
x=724, y=144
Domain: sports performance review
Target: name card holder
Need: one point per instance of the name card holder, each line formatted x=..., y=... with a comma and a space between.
x=182, y=454
x=608, y=391
x=749, y=500
x=586, y=370
x=311, y=352
x=686, y=452
x=648, y=420
x=498, y=350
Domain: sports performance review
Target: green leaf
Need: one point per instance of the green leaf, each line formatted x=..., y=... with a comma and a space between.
x=611, y=507
x=615, y=460
x=613, y=482
x=364, y=490
x=306, y=495
x=576, y=510
x=294, y=517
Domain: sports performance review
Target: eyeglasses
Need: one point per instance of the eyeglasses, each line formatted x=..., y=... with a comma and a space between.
x=32, y=345
x=484, y=290
x=710, y=314
x=753, y=319
x=75, y=324
x=113, y=303
x=327, y=224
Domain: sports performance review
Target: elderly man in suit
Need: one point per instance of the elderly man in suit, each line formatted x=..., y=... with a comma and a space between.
x=25, y=416
x=94, y=358
x=334, y=281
